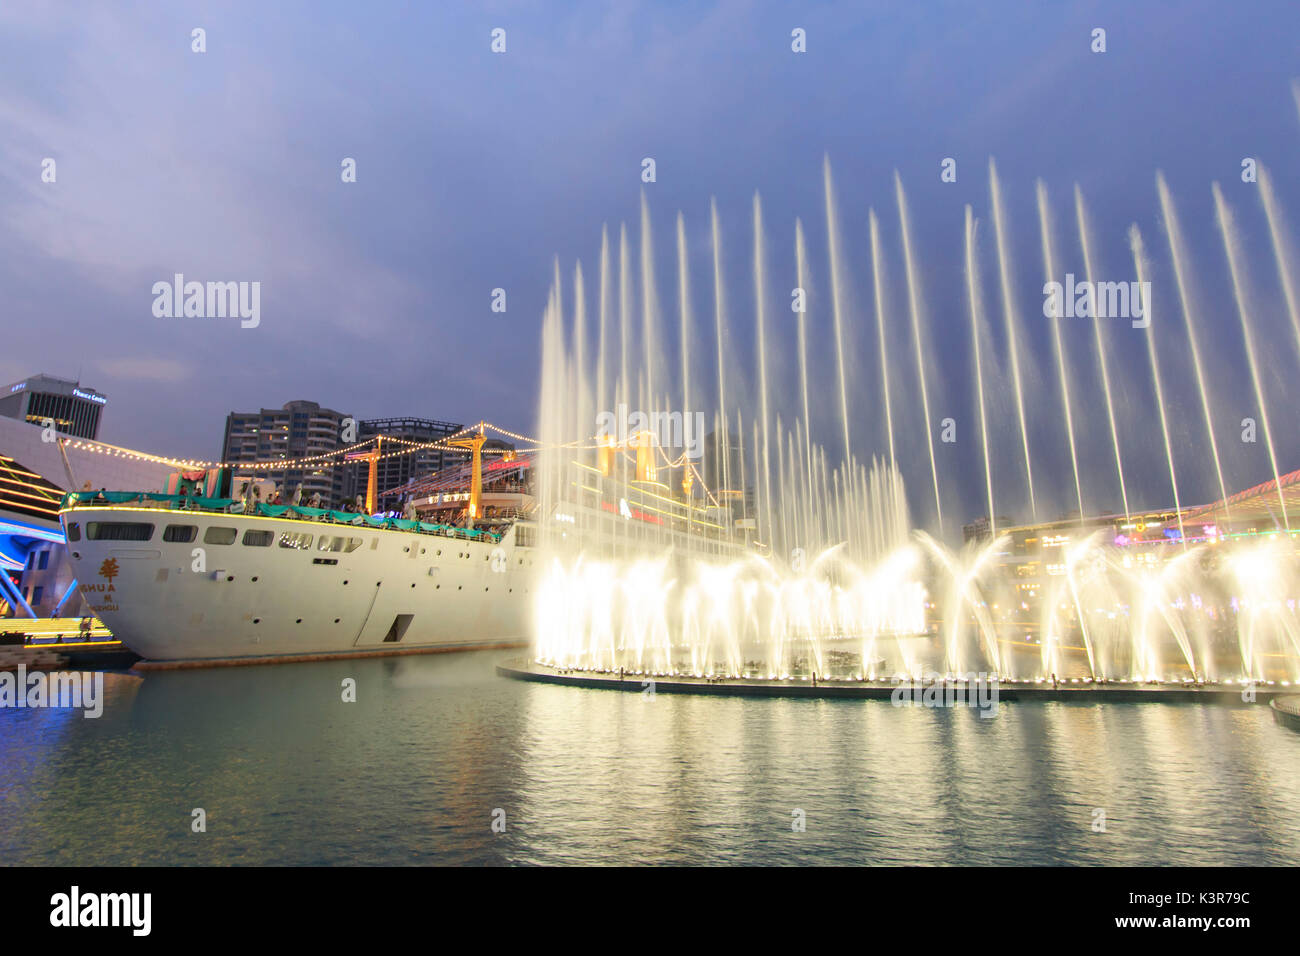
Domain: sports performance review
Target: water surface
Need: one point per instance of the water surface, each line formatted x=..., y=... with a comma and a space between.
x=415, y=771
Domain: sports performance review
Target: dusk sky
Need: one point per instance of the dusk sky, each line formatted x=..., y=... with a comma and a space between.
x=475, y=169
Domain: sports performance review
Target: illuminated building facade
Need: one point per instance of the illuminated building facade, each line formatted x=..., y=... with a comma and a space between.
x=298, y=430
x=73, y=408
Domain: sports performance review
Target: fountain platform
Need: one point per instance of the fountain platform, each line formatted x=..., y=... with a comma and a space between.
x=841, y=689
x=1286, y=711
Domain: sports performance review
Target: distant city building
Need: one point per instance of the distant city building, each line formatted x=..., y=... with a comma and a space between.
x=304, y=429
x=726, y=476
x=981, y=529
x=73, y=408
x=298, y=430
x=400, y=470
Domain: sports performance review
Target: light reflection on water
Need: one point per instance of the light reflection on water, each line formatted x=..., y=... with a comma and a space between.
x=412, y=772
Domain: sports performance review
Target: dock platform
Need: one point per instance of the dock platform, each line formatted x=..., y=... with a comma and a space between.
x=1286, y=711
x=823, y=689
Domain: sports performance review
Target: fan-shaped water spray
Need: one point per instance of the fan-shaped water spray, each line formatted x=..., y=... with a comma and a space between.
x=749, y=549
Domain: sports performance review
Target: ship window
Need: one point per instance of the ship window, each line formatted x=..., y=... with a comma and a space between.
x=74, y=531
x=299, y=540
x=258, y=539
x=118, y=530
x=215, y=535
x=178, y=533
x=338, y=543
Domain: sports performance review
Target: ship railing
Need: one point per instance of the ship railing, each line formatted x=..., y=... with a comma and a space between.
x=88, y=499
x=510, y=514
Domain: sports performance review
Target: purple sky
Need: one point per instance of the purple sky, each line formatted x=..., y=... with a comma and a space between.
x=476, y=169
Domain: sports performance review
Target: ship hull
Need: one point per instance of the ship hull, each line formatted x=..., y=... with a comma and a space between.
x=360, y=591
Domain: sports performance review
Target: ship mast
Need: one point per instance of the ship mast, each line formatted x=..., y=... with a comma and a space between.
x=373, y=477
x=475, y=444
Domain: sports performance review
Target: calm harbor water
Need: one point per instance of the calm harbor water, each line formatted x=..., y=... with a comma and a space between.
x=413, y=771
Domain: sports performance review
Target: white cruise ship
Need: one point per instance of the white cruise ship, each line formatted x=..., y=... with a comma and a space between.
x=190, y=581
x=189, y=577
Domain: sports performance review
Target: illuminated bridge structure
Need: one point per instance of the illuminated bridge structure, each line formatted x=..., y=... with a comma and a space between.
x=29, y=524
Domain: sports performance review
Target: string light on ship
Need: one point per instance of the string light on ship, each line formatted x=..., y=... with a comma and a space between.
x=281, y=464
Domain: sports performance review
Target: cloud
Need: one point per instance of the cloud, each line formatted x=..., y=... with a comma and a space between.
x=143, y=369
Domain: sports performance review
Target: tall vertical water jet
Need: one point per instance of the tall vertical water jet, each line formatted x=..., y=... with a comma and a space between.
x=760, y=289
x=684, y=345
x=1228, y=231
x=833, y=247
x=1012, y=325
x=877, y=281
x=914, y=307
x=740, y=463
x=719, y=324
x=973, y=297
x=583, y=413
x=602, y=398
x=1085, y=245
x=1139, y=266
x=1178, y=254
x=801, y=278
x=1281, y=250
x=783, y=500
x=758, y=488
x=1049, y=268
x=649, y=306
x=623, y=388
x=684, y=314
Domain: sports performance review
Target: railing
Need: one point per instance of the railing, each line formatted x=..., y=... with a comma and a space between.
x=90, y=499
